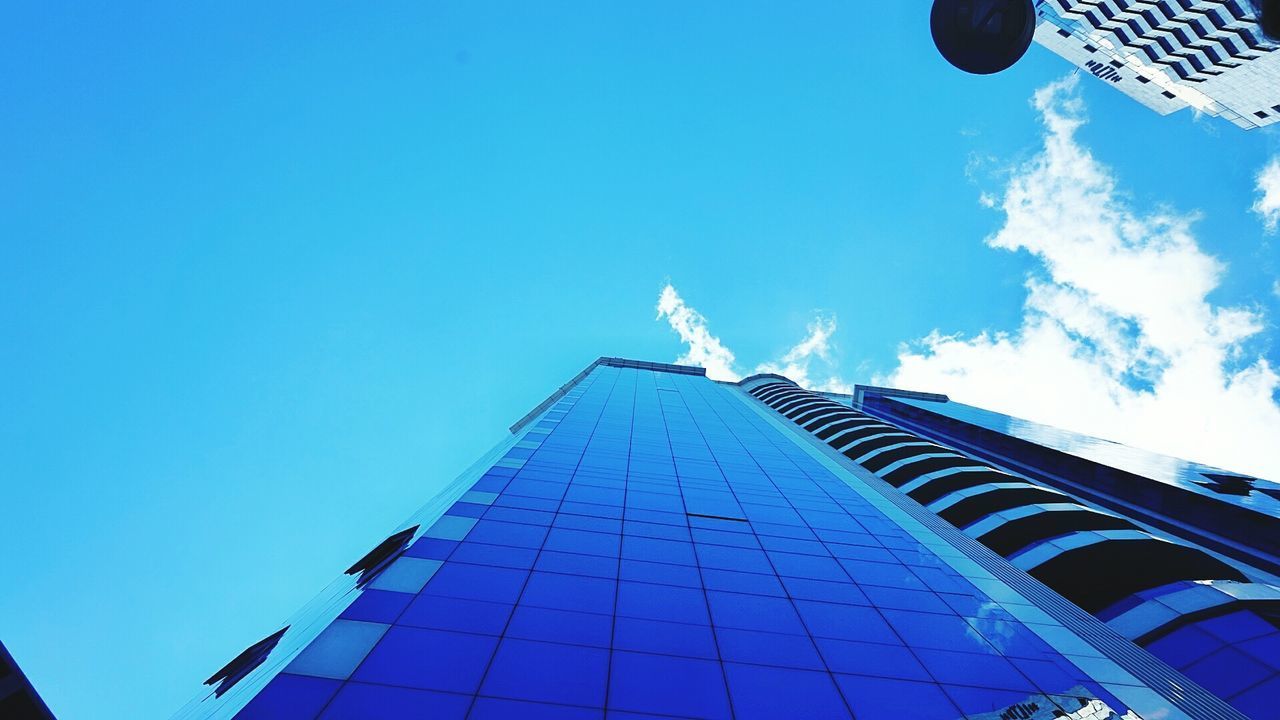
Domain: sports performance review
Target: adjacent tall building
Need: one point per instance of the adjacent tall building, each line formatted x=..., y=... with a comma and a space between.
x=1210, y=55
x=650, y=543
x=18, y=699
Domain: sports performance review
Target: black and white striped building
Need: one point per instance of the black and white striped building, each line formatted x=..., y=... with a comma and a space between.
x=1210, y=55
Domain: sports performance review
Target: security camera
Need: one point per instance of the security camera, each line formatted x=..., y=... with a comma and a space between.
x=983, y=36
x=1269, y=18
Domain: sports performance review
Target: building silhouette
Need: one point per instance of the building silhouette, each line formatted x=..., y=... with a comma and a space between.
x=18, y=699
x=651, y=543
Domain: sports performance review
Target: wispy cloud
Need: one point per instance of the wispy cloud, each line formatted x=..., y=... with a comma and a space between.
x=815, y=349
x=1118, y=338
x=704, y=349
x=1268, y=203
x=810, y=362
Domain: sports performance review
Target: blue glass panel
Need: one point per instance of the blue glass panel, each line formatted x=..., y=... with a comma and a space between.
x=883, y=699
x=792, y=651
x=770, y=692
x=661, y=602
x=943, y=582
x=547, y=672
x=1260, y=700
x=811, y=567
x=524, y=503
x=860, y=552
x=447, y=613
x=888, y=575
x=655, y=530
x=571, y=564
x=884, y=597
x=1049, y=676
x=479, y=497
x=663, y=637
x=535, y=489
x=494, y=532
x=602, y=511
x=431, y=548
x=406, y=575
x=519, y=515
x=976, y=606
x=377, y=606
x=846, y=592
x=428, y=659
x=667, y=685
x=497, y=555
x=1237, y=626
x=742, y=582
x=654, y=550
x=754, y=612
x=961, y=668
x=498, y=709
x=732, y=558
x=477, y=582
x=595, y=495
x=798, y=532
x=570, y=592
x=792, y=545
x=1010, y=637
x=1228, y=672
x=337, y=650
x=1264, y=649
x=358, y=701
x=583, y=541
x=491, y=483
x=562, y=626
x=845, y=622
x=721, y=537
x=844, y=656
x=290, y=697
x=450, y=527
x=946, y=632
x=466, y=509
x=976, y=700
x=663, y=573
x=583, y=522
x=1184, y=646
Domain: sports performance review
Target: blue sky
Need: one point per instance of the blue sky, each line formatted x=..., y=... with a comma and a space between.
x=271, y=276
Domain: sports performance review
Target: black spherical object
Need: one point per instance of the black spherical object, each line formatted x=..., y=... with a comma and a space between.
x=1269, y=10
x=982, y=36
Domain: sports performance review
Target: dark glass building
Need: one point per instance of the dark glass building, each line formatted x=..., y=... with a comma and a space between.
x=649, y=543
x=18, y=699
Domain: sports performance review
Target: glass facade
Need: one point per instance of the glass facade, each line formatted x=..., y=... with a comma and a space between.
x=1222, y=633
x=651, y=543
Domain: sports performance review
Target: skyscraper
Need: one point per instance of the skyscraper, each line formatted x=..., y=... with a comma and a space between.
x=1215, y=56
x=1209, y=55
x=18, y=699
x=652, y=543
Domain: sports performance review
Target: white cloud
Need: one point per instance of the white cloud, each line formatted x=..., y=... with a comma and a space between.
x=705, y=349
x=1118, y=338
x=1268, y=202
x=798, y=363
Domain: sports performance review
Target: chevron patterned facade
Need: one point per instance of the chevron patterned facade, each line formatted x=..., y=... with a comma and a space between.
x=1158, y=589
x=1210, y=55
